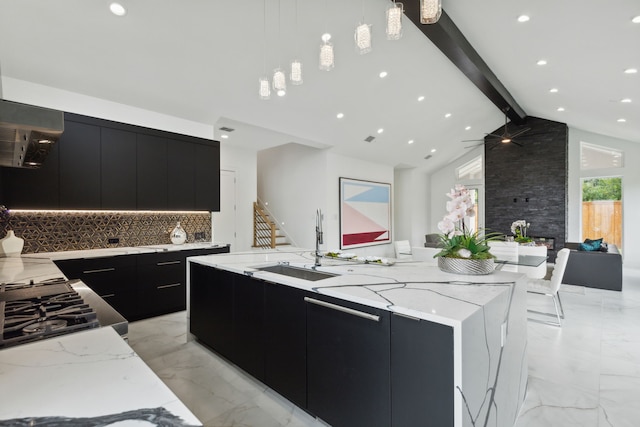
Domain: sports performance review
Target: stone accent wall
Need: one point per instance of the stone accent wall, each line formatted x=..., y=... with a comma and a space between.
x=529, y=182
x=53, y=231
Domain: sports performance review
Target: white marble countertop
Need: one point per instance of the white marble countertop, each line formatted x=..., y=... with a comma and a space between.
x=86, y=374
x=413, y=288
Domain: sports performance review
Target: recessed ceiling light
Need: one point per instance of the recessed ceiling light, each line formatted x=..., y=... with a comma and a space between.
x=446, y=116
x=560, y=109
x=433, y=150
x=340, y=115
x=523, y=18
x=380, y=130
x=622, y=120
x=626, y=100
x=631, y=70
x=542, y=62
x=636, y=20
x=410, y=141
x=224, y=136
x=383, y=74
x=117, y=9
x=421, y=98
x=467, y=128
x=553, y=90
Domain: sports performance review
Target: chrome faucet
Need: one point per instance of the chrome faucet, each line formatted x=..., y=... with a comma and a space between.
x=318, y=237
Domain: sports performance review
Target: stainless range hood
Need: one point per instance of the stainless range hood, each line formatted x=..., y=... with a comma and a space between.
x=27, y=133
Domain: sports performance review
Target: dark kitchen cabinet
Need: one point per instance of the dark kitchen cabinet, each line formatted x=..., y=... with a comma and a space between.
x=151, y=182
x=211, y=308
x=80, y=166
x=422, y=387
x=181, y=174
x=161, y=282
x=112, y=278
x=33, y=188
x=207, y=175
x=248, y=321
x=285, y=336
x=118, y=169
x=348, y=363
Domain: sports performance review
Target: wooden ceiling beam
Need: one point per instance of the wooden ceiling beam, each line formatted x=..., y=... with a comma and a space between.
x=448, y=38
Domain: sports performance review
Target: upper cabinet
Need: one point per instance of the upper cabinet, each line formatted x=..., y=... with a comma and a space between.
x=99, y=164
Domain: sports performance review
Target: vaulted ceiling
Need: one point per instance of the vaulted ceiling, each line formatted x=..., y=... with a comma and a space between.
x=201, y=59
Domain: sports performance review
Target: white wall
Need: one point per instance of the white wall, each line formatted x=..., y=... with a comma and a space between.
x=630, y=190
x=296, y=180
x=411, y=205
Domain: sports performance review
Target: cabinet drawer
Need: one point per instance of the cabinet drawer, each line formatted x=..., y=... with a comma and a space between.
x=162, y=258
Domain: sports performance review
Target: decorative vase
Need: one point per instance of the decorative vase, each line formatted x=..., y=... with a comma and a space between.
x=178, y=235
x=466, y=266
x=11, y=245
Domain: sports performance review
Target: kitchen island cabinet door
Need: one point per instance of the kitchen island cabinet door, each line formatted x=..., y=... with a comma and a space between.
x=285, y=328
x=80, y=166
x=118, y=163
x=348, y=366
x=248, y=325
x=422, y=388
x=152, y=172
x=211, y=308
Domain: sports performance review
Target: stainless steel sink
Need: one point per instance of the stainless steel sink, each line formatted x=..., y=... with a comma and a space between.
x=300, y=273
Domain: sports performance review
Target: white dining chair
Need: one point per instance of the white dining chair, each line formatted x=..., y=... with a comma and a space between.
x=505, y=251
x=551, y=287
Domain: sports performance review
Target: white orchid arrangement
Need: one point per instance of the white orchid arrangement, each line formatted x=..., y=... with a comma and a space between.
x=456, y=240
x=519, y=229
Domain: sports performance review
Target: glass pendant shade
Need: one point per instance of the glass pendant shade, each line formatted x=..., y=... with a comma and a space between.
x=430, y=11
x=326, y=56
x=264, y=91
x=279, y=82
x=394, y=21
x=363, y=38
x=296, y=72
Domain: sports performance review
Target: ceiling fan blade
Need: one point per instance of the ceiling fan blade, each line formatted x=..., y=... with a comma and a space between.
x=520, y=132
x=493, y=146
x=496, y=136
x=513, y=142
x=472, y=140
x=474, y=146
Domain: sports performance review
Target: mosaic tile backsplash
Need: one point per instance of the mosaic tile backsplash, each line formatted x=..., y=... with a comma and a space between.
x=51, y=231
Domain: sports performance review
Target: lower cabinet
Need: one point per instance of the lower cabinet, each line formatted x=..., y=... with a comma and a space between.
x=248, y=319
x=138, y=286
x=422, y=373
x=348, y=363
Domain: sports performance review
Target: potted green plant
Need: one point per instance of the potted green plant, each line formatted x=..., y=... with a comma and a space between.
x=463, y=251
x=519, y=229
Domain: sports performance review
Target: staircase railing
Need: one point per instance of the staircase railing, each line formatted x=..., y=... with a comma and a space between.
x=264, y=229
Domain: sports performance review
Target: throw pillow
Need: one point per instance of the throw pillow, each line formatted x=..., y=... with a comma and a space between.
x=594, y=243
x=586, y=247
x=604, y=247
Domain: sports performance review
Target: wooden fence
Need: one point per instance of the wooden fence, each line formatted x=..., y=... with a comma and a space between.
x=602, y=218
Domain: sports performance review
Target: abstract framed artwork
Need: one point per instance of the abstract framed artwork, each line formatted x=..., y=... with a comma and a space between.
x=365, y=213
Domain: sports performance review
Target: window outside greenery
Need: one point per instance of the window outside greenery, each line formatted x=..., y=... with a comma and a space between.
x=601, y=189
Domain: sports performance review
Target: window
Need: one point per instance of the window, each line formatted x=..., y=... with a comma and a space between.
x=597, y=157
x=471, y=170
x=602, y=209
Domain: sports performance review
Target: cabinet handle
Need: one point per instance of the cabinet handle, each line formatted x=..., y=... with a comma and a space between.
x=173, y=285
x=100, y=270
x=168, y=263
x=107, y=296
x=343, y=309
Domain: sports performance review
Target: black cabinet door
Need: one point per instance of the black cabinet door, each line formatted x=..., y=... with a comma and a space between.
x=151, y=160
x=285, y=329
x=211, y=308
x=422, y=388
x=207, y=179
x=348, y=363
x=181, y=192
x=80, y=166
x=162, y=282
x=118, y=169
x=248, y=325
x=33, y=188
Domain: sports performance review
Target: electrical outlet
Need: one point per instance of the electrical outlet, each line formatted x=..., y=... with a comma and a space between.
x=114, y=240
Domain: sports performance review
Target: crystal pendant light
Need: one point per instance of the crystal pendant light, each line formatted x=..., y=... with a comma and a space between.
x=296, y=72
x=279, y=82
x=326, y=53
x=430, y=11
x=394, y=21
x=363, y=38
x=264, y=91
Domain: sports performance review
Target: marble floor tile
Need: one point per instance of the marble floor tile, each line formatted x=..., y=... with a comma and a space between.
x=586, y=373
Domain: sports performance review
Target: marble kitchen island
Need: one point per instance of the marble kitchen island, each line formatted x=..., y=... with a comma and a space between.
x=399, y=345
